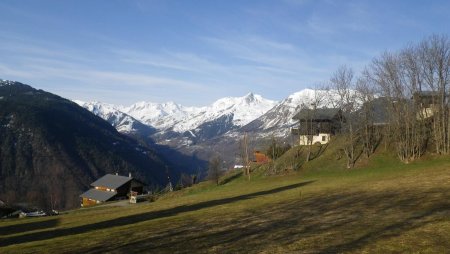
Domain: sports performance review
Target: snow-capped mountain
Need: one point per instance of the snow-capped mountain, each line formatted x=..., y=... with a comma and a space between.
x=278, y=120
x=177, y=118
x=4, y=82
x=203, y=130
x=122, y=122
x=240, y=110
x=230, y=115
x=160, y=115
x=183, y=125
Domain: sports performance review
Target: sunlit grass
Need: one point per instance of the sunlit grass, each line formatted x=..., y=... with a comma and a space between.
x=384, y=207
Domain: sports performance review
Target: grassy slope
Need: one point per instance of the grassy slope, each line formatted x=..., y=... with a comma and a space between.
x=384, y=207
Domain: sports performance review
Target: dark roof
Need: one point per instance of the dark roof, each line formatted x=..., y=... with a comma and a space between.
x=380, y=111
x=426, y=93
x=111, y=181
x=98, y=195
x=318, y=114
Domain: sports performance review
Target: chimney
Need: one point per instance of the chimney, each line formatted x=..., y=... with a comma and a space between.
x=129, y=175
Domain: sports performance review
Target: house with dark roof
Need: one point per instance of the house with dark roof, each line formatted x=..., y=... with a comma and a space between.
x=317, y=125
x=428, y=103
x=111, y=187
x=375, y=110
x=379, y=111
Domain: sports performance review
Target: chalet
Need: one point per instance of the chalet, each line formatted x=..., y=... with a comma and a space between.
x=317, y=126
x=377, y=111
x=427, y=102
x=260, y=157
x=111, y=187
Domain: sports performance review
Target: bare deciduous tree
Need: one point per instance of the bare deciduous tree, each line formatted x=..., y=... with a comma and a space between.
x=244, y=154
x=366, y=95
x=434, y=55
x=405, y=80
x=390, y=72
x=215, y=169
x=343, y=86
x=316, y=101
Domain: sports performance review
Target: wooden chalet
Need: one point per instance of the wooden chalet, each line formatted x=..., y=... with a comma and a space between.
x=427, y=103
x=317, y=126
x=260, y=158
x=377, y=110
x=111, y=187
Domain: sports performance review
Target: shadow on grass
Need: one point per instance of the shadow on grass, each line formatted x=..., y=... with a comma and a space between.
x=31, y=226
x=331, y=223
x=319, y=152
x=231, y=178
x=407, y=224
x=39, y=236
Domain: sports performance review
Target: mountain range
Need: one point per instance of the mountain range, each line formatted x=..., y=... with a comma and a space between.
x=209, y=129
x=51, y=149
x=51, y=145
x=175, y=117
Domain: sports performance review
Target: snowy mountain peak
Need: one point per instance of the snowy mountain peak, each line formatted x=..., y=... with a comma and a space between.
x=4, y=82
x=79, y=102
x=170, y=115
x=99, y=108
x=163, y=108
x=303, y=93
x=254, y=98
x=113, y=114
x=159, y=115
x=308, y=97
x=244, y=109
x=278, y=120
x=247, y=100
x=250, y=97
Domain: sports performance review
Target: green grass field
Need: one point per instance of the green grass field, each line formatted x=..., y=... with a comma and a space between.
x=383, y=207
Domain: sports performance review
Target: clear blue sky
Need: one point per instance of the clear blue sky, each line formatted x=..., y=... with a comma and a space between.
x=194, y=52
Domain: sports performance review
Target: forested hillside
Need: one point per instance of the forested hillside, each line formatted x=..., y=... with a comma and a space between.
x=51, y=149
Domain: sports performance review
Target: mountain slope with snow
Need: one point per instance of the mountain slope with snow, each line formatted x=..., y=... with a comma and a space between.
x=122, y=122
x=203, y=130
x=160, y=115
x=181, y=119
x=278, y=120
x=230, y=115
x=242, y=109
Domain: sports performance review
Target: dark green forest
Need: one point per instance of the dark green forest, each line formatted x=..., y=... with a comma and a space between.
x=51, y=150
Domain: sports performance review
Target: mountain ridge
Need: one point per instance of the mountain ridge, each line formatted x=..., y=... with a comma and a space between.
x=51, y=149
x=250, y=112
x=219, y=126
x=180, y=118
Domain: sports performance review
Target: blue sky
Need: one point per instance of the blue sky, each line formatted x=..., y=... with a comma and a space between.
x=194, y=52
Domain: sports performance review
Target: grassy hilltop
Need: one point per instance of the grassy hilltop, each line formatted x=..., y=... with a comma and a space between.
x=382, y=206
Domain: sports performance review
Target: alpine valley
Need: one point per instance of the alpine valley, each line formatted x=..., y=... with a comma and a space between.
x=51, y=149
x=203, y=131
x=46, y=139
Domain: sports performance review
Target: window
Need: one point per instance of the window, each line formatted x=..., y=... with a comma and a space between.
x=324, y=138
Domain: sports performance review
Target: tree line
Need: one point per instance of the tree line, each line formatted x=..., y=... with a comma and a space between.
x=401, y=99
x=401, y=96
